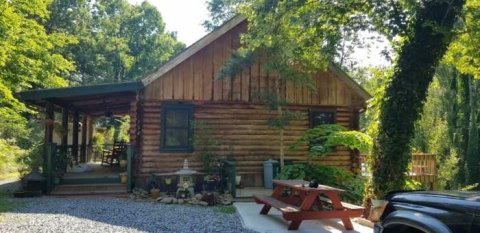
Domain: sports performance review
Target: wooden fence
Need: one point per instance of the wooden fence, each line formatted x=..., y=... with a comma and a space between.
x=423, y=168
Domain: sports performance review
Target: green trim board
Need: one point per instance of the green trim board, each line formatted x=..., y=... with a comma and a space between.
x=80, y=90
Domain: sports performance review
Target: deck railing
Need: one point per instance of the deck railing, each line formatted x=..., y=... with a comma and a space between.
x=423, y=168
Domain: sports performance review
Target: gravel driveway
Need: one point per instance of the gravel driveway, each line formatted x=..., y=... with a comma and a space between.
x=104, y=214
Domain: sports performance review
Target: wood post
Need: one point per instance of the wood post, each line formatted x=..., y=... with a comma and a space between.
x=49, y=120
x=75, y=136
x=130, y=153
x=64, y=143
x=90, y=152
x=50, y=153
x=83, y=149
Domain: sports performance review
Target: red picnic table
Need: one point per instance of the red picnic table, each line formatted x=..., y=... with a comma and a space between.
x=298, y=202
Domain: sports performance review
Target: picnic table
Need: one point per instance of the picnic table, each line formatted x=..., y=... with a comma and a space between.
x=298, y=202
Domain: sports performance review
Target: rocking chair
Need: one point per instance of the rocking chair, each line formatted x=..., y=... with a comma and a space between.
x=112, y=157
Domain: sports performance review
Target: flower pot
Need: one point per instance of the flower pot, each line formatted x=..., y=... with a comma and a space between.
x=123, y=163
x=238, y=179
x=209, y=185
x=154, y=193
x=123, y=178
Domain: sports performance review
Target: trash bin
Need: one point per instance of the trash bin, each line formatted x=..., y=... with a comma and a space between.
x=270, y=170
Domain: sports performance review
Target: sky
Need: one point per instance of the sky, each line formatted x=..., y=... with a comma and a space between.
x=183, y=16
x=186, y=16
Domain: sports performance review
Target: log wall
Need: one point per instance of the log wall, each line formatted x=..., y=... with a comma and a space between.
x=243, y=134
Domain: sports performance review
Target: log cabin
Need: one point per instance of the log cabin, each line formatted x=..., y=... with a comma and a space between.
x=164, y=105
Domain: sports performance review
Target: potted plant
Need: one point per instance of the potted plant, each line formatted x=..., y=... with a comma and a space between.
x=209, y=183
x=205, y=142
x=153, y=187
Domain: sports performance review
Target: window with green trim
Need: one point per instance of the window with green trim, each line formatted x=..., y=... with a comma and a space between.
x=177, y=129
x=321, y=117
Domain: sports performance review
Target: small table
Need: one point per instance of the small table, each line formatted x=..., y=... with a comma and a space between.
x=304, y=203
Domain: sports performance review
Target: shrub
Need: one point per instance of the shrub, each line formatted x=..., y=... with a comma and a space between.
x=9, y=155
x=327, y=175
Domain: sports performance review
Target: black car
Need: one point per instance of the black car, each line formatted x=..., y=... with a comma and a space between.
x=430, y=212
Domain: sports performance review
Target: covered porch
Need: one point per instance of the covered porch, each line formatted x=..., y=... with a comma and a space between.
x=69, y=135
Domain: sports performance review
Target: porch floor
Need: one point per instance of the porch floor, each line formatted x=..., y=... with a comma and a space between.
x=99, y=171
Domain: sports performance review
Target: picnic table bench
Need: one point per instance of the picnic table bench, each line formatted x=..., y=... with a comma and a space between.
x=298, y=202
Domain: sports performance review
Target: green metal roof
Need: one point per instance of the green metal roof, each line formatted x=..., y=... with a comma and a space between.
x=79, y=91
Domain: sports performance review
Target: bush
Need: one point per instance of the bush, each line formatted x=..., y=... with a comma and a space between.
x=9, y=155
x=331, y=176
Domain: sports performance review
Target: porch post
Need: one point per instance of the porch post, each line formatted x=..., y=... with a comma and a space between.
x=83, y=149
x=75, y=137
x=64, y=144
x=49, y=119
x=90, y=153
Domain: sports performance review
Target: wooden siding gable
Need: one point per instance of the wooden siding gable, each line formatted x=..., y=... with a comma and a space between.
x=194, y=48
x=190, y=76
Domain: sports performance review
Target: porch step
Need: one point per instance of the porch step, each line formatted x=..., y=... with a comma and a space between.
x=89, y=189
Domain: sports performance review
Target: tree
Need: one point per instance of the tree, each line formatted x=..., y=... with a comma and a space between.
x=29, y=58
x=425, y=44
x=463, y=55
x=117, y=41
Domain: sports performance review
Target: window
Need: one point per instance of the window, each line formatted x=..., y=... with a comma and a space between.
x=177, y=130
x=321, y=117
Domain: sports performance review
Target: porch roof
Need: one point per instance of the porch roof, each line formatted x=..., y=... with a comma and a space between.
x=92, y=99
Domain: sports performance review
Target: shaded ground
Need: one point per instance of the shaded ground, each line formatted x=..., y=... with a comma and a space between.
x=9, y=185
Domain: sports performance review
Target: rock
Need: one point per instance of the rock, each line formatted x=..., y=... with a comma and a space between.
x=209, y=198
x=203, y=203
x=159, y=199
x=226, y=199
x=167, y=200
x=180, y=201
x=194, y=201
x=198, y=196
x=174, y=200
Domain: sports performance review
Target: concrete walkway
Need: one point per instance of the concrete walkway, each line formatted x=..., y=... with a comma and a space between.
x=274, y=223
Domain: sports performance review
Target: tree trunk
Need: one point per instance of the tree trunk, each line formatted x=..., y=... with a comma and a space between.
x=463, y=125
x=471, y=156
x=404, y=96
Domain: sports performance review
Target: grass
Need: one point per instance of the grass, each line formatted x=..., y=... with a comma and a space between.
x=226, y=209
x=7, y=204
